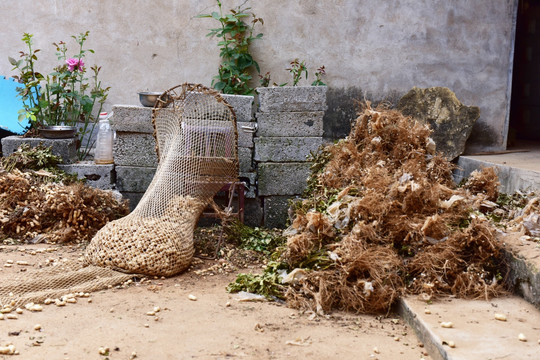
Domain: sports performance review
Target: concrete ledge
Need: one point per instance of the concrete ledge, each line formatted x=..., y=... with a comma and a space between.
x=475, y=332
x=134, y=179
x=305, y=123
x=511, y=178
x=131, y=118
x=98, y=176
x=523, y=273
x=285, y=149
x=65, y=148
x=242, y=104
x=283, y=178
x=135, y=149
x=292, y=98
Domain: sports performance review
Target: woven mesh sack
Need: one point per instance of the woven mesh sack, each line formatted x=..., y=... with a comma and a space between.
x=196, y=143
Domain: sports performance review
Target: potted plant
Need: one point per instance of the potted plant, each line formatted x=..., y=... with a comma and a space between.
x=67, y=101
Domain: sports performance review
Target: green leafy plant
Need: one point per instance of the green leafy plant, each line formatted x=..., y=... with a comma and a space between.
x=297, y=69
x=37, y=158
x=261, y=240
x=267, y=284
x=66, y=96
x=318, y=77
x=236, y=37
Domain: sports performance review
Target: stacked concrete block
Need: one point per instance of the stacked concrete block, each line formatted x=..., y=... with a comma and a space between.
x=134, y=150
x=290, y=129
x=136, y=159
x=98, y=176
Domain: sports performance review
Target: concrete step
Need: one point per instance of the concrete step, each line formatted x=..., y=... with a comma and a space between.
x=476, y=334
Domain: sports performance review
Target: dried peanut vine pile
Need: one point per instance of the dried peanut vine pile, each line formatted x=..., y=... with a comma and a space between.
x=37, y=206
x=382, y=217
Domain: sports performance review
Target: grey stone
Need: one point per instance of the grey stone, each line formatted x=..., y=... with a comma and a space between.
x=282, y=178
x=292, y=98
x=285, y=149
x=65, y=148
x=451, y=121
x=245, y=139
x=245, y=160
x=134, y=178
x=135, y=149
x=130, y=118
x=299, y=123
x=242, y=105
x=98, y=176
x=276, y=211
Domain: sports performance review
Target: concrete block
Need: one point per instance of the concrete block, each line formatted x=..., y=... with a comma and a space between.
x=242, y=105
x=65, y=148
x=299, y=123
x=134, y=178
x=98, y=176
x=250, y=180
x=245, y=139
x=292, y=98
x=285, y=149
x=134, y=149
x=133, y=198
x=245, y=159
x=283, y=178
x=131, y=118
x=276, y=211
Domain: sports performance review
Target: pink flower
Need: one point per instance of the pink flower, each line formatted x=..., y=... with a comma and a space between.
x=75, y=64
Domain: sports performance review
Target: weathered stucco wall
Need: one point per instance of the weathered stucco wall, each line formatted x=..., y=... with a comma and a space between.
x=374, y=50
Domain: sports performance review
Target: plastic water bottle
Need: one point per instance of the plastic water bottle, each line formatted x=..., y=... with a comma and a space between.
x=104, y=142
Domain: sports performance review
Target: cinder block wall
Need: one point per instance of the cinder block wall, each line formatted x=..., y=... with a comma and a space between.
x=273, y=160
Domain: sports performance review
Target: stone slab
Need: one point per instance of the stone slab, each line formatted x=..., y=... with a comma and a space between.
x=65, y=148
x=135, y=149
x=282, y=178
x=98, y=176
x=276, y=211
x=131, y=118
x=245, y=159
x=245, y=139
x=476, y=333
x=134, y=178
x=298, y=123
x=242, y=104
x=292, y=98
x=285, y=149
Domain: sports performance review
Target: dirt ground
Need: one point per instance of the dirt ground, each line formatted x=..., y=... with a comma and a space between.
x=212, y=324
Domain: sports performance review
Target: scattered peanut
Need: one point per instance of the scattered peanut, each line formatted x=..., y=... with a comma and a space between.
x=500, y=317
x=19, y=311
x=192, y=297
x=37, y=327
x=12, y=317
x=427, y=311
x=104, y=351
x=522, y=337
x=376, y=350
x=447, y=324
x=7, y=350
